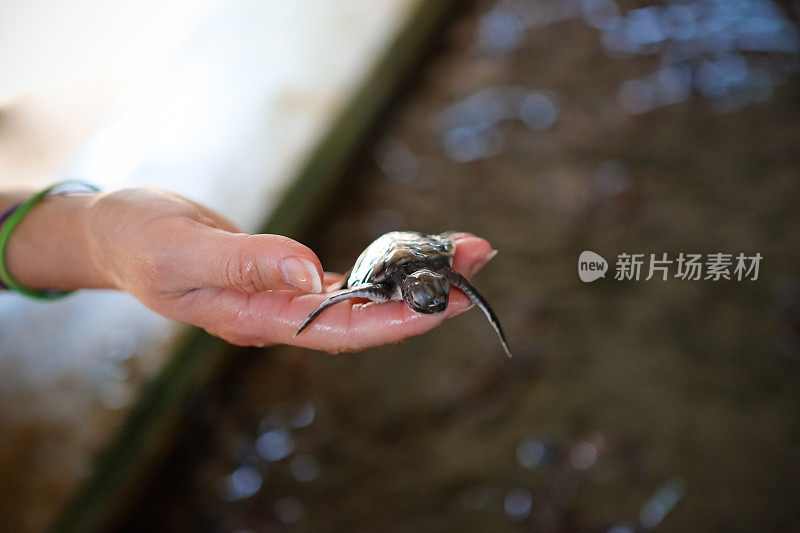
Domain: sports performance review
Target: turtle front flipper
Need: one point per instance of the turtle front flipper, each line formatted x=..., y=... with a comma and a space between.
x=376, y=292
x=460, y=282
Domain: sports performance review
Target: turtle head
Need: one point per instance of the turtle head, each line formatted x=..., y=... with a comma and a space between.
x=425, y=291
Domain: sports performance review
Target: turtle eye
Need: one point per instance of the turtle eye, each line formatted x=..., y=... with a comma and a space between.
x=426, y=292
x=422, y=296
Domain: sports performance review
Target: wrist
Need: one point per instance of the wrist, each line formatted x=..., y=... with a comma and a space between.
x=51, y=247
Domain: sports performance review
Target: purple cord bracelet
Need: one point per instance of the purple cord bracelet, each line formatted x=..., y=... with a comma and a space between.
x=3, y=218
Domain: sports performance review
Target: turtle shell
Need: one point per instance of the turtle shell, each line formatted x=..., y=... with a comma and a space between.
x=381, y=259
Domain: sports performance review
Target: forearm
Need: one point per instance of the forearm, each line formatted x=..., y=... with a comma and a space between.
x=50, y=247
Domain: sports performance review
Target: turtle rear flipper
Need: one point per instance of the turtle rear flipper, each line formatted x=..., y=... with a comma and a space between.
x=376, y=292
x=460, y=282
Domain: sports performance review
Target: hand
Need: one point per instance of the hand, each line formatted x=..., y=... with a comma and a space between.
x=188, y=263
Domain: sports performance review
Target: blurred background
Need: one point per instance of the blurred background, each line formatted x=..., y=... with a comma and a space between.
x=548, y=127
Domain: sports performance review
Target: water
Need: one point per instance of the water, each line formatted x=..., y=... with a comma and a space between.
x=629, y=403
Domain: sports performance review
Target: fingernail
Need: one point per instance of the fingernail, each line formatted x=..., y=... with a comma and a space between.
x=302, y=274
x=491, y=255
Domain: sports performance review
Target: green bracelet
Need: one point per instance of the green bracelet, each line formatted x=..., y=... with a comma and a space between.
x=10, y=225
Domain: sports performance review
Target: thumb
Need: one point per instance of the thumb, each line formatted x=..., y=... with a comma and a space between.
x=252, y=263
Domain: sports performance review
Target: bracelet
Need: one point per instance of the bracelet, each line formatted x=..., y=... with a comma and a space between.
x=11, y=219
x=3, y=218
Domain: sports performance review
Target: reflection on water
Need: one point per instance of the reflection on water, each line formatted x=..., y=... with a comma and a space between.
x=275, y=445
x=305, y=468
x=397, y=161
x=242, y=483
x=583, y=455
x=732, y=52
x=288, y=510
x=518, y=504
x=470, y=129
x=662, y=502
x=532, y=453
x=303, y=416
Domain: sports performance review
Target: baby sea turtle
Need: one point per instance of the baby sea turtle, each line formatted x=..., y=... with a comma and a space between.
x=412, y=267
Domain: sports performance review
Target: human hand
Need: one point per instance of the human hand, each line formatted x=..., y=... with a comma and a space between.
x=188, y=263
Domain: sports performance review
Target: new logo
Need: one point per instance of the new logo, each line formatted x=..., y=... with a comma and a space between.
x=591, y=266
